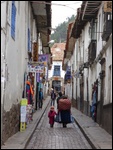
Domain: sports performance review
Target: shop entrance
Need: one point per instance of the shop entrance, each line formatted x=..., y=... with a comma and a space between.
x=56, y=85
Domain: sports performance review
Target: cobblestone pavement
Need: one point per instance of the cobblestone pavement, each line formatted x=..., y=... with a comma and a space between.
x=57, y=137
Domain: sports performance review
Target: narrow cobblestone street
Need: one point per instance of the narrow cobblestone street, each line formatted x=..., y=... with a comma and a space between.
x=58, y=137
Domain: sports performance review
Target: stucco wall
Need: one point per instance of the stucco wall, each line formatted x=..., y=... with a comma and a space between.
x=16, y=58
x=108, y=81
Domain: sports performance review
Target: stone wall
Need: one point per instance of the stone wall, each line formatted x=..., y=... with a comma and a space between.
x=107, y=118
x=98, y=112
x=11, y=122
x=78, y=103
x=86, y=108
x=74, y=102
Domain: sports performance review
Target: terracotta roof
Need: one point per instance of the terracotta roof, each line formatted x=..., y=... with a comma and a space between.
x=58, y=54
x=58, y=45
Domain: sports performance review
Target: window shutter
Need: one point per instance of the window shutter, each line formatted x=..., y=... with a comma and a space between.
x=56, y=71
x=29, y=40
x=13, y=20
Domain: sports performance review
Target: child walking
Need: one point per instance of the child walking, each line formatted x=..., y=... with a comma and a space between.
x=51, y=115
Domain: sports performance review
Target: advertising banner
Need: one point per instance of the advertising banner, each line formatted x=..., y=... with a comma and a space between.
x=43, y=58
x=35, y=51
x=38, y=77
x=23, y=105
x=38, y=68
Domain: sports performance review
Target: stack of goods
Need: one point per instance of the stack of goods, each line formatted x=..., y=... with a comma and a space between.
x=64, y=104
x=29, y=113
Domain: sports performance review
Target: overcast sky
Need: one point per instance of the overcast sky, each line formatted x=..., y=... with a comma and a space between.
x=60, y=13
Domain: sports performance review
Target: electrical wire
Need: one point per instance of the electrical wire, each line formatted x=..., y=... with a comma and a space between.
x=73, y=3
x=52, y=4
x=40, y=2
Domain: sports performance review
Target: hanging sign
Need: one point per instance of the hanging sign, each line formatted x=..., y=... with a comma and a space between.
x=23, y=114
x=39, y=69
x=35, y=51
x=43, y=58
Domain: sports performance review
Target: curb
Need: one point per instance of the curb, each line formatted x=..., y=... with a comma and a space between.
x=87, y=136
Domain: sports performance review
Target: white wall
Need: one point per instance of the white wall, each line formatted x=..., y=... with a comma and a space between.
x=108, y=81
x=100, y=23
x=55, y=63
x=3, y=47
x=75, y=62
x=107, y=55
x=16, y=52
x=3, y=14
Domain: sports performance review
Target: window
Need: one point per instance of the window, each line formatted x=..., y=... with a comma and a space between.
x=56, y=71
x=13, y=20
x=109, y=17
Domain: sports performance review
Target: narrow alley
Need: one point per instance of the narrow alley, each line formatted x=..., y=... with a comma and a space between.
x=56, y=51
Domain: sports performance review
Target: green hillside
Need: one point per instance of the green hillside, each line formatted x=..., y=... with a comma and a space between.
x=60, y=33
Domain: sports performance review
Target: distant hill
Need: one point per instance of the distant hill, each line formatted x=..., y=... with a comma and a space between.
x=60, y=33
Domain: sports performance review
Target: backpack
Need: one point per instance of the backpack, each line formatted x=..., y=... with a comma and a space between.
x=64, y=104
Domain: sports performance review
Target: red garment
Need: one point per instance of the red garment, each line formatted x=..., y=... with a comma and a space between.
x=51, y=116
x=27, y=82
x=64, y=104
x=28, y=92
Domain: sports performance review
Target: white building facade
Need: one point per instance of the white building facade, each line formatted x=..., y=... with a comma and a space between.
x=91, y=62
x=15, y=23
x=18, y=33
x=53, y=77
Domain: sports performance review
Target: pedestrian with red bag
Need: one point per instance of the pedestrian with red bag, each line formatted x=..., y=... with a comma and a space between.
x=64, y=110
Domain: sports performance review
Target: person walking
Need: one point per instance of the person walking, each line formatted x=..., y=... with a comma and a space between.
x=29, y=91
x=40, y=98
x=51, y=115
x=59, y=97
x=64, y=110
x=53, y=97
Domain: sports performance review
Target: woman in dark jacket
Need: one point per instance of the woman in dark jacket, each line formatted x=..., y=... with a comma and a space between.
x=64, y=114
x=60, y=96
x=40, y=98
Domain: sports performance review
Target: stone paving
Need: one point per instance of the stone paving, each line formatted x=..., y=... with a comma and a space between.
x=96, y=136
x=57, y=137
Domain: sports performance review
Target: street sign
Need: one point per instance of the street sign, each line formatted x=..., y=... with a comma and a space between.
x=23, y=104
x=37, y=68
